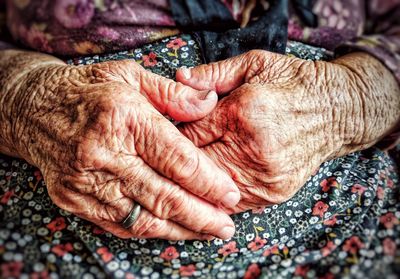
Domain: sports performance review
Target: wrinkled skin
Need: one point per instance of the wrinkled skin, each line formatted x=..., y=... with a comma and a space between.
x=284, y=116
x=96, y=135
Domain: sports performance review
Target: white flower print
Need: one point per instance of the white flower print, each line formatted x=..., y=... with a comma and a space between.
x=198, y=244
x=314, y=220
x=250, y=236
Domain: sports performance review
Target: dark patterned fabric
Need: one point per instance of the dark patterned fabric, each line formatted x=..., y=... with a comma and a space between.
x=344, y=222
x=220, y=35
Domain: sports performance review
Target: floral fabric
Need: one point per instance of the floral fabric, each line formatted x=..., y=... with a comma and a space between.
x=344, y=222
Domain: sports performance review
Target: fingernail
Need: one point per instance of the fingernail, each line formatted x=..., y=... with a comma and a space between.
x=210, y=95
x=227, y=232
x=186, y=72
x=231, y=199
x=208, y=237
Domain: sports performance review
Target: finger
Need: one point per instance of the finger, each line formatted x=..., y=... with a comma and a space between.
x=149, y=226
x=209, y=129
x=181, y=162
x=179, y=101
x=171, y=154
x=222, y=76
x=109, y=218
x=136, y=180
x=167, y=200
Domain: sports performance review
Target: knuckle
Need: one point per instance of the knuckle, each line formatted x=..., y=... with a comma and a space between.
x=256, y=53
x=110, y=70
x=216, y=71
x=109, y=191
x=170, y=203
x=85, y=155
x=168, y=89
x=189, y=165
x=117, y=210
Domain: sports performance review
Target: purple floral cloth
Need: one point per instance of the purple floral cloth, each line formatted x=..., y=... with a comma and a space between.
x=81, y=27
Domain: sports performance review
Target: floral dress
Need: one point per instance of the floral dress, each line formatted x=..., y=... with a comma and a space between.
x=344, y=222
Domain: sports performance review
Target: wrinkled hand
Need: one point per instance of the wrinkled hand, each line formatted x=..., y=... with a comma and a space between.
x=100, y=143
x=282, y=118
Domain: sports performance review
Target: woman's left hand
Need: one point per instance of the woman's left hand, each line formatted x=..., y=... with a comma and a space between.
x=285, y=116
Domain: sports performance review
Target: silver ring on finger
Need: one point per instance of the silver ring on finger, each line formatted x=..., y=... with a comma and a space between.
x=132, y=216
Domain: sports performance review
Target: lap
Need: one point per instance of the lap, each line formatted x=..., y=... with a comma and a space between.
x=345, y=220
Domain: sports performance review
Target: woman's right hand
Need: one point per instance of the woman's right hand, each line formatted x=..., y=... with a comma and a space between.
x=95, y=133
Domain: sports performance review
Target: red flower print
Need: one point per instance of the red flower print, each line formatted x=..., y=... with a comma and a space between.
x=271, y=250
x=129, y=276
x=40, y=275
x=328, y=276
x=257, y=244
x=176, y=44
x=150, y=60
x=285, y=250
x=6, y=197
x=105, y=254
x=252, y=272
x=389, y=220
x=11, y=269
x=331, y=221
x=389, y=247
x=359, y=189
x=352, y=245
x=301, y=270
x=328, y=183
x=390, y=183
x=62, y=249
x=320, y=208
x=97, y=230
x=38, y=175
x=380, y=193
x=169, y=253
x=228, y=248
x=57, y=224
x=330, y=246
x=187, y=270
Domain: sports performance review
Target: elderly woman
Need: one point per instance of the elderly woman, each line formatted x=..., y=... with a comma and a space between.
x=100, y=136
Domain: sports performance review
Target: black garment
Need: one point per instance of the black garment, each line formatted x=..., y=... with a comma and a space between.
x=303, y=9
x=221, y=37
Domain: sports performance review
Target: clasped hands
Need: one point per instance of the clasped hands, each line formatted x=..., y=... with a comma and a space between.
x=99, y=137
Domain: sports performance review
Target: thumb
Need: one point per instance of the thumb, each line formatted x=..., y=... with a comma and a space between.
x=222, y=76
x=179, y=101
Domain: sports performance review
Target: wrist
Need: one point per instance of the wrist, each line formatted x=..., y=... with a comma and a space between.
x=18, y=98
x=370, y=106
